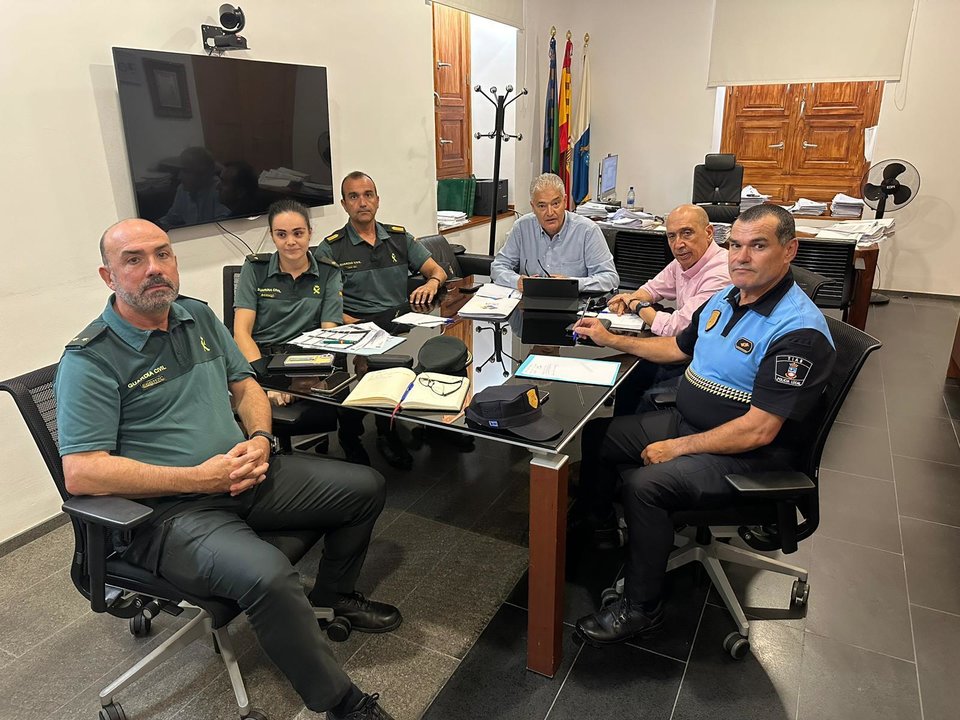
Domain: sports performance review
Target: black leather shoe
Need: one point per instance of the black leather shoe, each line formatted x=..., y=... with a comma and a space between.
x=367, y=709
x=365, y=615
x=618, y=621
x=353, y=450
x=394, y=452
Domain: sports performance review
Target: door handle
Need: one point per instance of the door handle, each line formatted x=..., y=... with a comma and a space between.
x=441, y=64
x=436, y=98
x=446, y=142
x=805, y=144
x=778, y=146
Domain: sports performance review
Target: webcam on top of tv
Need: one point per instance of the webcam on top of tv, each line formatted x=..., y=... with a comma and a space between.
x=220, y=39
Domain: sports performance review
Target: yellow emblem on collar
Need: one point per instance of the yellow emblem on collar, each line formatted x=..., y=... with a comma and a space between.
x=203, y=344
x=712, y=320
x=316, y=289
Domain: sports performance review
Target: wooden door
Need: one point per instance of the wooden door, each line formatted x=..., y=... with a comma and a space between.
x=451, y=83
x=801, y=140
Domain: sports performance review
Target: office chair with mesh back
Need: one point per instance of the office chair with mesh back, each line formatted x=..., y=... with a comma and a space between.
x=126, y=591
x=638, y=255
x=764, y=513
x=299, y=417
x=717, y=184
x=456, y=263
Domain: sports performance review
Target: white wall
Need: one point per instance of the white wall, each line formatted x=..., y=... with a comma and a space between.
x=493, y=61
x=66, y=176
x=651, y=105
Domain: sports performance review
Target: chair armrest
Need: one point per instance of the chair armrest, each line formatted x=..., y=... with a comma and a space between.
x=473, y=264
x=664, y=399
x=771, y=485
x=116, y=513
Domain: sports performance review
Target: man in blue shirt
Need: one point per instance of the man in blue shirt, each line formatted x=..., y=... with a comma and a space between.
x=760, y=354
x=555, y=243
x=144, y=398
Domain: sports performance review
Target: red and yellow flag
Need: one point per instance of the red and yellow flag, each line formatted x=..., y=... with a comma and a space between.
x=563, y=110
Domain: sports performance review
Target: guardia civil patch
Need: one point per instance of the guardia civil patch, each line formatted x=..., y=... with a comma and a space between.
x=792, y=370
x=712, y=320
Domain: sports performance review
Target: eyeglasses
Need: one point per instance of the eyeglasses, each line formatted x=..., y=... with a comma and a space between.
x=441, y=387
x=526, y=270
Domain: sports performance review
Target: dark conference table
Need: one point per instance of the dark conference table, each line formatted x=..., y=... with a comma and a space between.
x=570, y=404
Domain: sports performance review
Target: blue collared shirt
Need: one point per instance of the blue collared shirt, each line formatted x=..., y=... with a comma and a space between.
x=578, y=251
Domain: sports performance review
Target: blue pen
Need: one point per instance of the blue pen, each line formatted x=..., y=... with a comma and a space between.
x=582, y=313
x=402, y=398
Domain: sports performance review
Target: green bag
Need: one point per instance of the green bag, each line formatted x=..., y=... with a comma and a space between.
x=457, y=194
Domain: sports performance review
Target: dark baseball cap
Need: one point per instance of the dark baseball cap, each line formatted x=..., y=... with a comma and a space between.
x=515, y=409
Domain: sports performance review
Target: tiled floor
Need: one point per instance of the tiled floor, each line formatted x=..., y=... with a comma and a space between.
x=880, y=638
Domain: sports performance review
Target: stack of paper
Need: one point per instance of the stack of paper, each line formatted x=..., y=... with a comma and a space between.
x=568, y=369
x=808, y=207
x=421, y=320
x=491, y=302
x=593, y=210
x=750, y=196
x=450, y=218
x=846, y=206
x=721, y=231
x=627, y=321
x=492, y=290
x=360, y=339
x=631, y=219
x=862, y=232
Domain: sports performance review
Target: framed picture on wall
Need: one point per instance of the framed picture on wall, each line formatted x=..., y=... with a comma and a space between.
x=168, y=88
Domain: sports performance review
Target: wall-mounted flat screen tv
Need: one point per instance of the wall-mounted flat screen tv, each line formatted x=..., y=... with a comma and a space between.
x=213, y=138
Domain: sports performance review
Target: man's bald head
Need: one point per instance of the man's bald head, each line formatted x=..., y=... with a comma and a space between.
x=140, y=267
x=689, y=234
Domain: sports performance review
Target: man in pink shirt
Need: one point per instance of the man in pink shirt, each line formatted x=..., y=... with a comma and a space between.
x=698, y=270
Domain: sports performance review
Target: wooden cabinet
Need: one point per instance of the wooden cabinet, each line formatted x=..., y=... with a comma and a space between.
x=801, y=140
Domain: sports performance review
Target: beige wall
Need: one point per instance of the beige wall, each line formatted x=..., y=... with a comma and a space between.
x=650, y=104
x=65, y=171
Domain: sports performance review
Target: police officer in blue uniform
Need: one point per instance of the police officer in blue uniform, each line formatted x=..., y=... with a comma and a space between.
x=144, y=410
x=760, y=352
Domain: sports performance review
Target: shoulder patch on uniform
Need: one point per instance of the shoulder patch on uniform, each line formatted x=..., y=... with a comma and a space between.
x=396, y=228
x=712, y=320
x=187, y=297
x=334, y=237
x=258, y=257
x=86, y=335
x=792, y=370
x=324, y=260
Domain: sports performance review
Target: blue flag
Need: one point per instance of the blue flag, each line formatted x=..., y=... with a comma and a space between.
x=580, y=190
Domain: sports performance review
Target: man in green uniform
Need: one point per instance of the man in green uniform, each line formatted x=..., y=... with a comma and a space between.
x=144, y=411
x=376, y=260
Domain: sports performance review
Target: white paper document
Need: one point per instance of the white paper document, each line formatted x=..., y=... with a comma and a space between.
x=421, y=320
x=360, y=339
x=489, y=308
x=492, y=290
x=566, y=369
x=627, y=321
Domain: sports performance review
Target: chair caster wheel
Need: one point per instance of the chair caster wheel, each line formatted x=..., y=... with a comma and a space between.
x=737, y=645
x=253, y=715
x=800, y=593
x=140, y=625
x=113, y=711
x=338, y=629
x=609, y=596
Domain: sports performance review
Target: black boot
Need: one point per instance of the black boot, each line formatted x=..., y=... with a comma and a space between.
x=364, y=615
x=367, y=709
x=617, y=622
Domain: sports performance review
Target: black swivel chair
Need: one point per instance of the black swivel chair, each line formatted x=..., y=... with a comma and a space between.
x=638, y=255
x=717, y=184
x=765, y=512
x=126, y=591
x=835, y=260
x=453, y=259
x=297, y=418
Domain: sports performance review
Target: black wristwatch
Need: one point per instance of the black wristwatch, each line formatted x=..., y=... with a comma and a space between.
x=640, y=304
x=272, y=439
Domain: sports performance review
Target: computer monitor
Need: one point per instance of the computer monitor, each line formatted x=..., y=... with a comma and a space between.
x=607, y=184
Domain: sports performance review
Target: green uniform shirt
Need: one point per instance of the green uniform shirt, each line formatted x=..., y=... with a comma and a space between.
x=153, y=396
x=286, y=307
x=374, y=276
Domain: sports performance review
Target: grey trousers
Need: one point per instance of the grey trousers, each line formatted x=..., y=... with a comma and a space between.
x=215, y=551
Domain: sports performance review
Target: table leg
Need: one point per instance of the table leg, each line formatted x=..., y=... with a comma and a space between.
x=860, y=302
x=953, y=367
x=548, y=544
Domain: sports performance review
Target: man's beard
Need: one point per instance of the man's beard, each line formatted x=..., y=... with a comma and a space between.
x=154, y=302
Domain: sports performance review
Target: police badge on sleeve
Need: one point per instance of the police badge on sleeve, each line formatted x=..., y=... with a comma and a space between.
x=792, y=370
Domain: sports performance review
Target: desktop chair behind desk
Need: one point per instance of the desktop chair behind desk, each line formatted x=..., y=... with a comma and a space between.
x=765, y=512
x=127, y=591
x=288, y=420
x=717, y=184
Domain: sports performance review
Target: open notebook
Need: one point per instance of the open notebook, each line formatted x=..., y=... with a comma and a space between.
x=401, y=386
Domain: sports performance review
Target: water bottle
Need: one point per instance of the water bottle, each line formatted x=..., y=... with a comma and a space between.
x=631, y=198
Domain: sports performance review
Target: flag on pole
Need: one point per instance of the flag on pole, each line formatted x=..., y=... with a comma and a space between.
x=581, y=135
x=563, y=118
x=551, y=156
